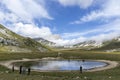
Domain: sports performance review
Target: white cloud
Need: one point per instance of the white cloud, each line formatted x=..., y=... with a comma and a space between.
x=81, y=3
x=105, y=37
x=63, y=42
x=77, y=34
x=33, y=31
x=8, y=17
x=110, y=9
x=26, y=9
x=103, y=32
x=19, y=15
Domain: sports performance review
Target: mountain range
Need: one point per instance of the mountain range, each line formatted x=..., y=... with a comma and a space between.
x=108, y=45
x=12, y=42
x=45, y=42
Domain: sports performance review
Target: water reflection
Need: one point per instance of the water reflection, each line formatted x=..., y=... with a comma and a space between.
x=67, y=65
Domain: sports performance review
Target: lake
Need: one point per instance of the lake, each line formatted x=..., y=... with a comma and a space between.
x=66, y=65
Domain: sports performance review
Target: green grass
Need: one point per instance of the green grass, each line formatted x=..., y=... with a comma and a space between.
x=12, y=56
x=26, y=64
x=112, y=74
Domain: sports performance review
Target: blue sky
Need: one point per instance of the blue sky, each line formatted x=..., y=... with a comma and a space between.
x=62, y=21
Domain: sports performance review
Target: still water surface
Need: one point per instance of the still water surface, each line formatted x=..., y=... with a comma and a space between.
x=63, y=65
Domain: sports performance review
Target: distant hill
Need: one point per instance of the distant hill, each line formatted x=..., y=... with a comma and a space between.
x=109, y=45
x=45, y=42
x=112, y=45
x=90, y=44
x=12, y=42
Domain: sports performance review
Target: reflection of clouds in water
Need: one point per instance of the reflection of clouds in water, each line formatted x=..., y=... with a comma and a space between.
x=57, y=65
x=67, y=65
x=93, y=64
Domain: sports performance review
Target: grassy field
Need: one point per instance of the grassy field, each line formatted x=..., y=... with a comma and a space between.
x=112, y=74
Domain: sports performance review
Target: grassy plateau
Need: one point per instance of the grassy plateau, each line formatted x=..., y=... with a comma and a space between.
x=111, y=74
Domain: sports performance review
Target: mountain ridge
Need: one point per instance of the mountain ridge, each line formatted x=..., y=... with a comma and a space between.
x=107, y=45
x=12, y=42
x=45, y=42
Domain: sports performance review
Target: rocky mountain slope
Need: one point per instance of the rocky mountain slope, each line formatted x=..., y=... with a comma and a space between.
x=88, y=44
x=109, y=45
x=45, y=42
x=12, y=42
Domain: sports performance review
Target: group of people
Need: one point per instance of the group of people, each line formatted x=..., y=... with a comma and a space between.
x=22, y=70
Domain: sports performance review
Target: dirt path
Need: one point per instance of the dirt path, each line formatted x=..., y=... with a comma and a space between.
x=111, y=64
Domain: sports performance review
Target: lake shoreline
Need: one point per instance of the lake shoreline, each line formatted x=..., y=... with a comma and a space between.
x=110, y=64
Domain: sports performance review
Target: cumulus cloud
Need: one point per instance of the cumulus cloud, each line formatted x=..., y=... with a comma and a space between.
x=68, y=42
x=81, y=3
x=109, y=13
x=103, y=32
x=104, y=37
x=109, y=10
x=30, y=30
x=33, y=31
x=19, y=15
x=24, y=10
x=77, y=34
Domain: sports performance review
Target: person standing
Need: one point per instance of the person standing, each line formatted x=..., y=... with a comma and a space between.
x=81, y=69
x=13, y=69
x=20, y=70
x=29, y=70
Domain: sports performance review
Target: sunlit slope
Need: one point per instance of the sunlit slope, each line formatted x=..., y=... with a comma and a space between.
x=12, y=42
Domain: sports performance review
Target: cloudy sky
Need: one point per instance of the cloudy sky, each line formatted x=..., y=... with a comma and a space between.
x=62, y=21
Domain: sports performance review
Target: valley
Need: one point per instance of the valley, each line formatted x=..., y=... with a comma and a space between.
x=72, y=75
x=59, y=39
x=16, y=47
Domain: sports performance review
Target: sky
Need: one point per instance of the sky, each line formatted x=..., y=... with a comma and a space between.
x=65, y=22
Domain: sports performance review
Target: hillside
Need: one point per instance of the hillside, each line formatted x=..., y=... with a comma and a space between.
x=88, y=45
x=45, y=42
x=109, y=45
x=112, y=45
x=12, y=42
